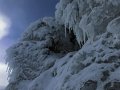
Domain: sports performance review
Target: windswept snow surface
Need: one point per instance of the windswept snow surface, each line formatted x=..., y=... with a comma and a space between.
x=79, y=49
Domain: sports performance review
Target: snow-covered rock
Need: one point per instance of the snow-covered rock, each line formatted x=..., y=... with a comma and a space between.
x=91, y=16
x=76, y=50
x=114, y=27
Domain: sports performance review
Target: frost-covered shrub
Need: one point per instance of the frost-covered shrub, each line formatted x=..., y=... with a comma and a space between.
x=38, y=49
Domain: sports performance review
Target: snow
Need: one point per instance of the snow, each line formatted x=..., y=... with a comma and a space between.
x=114, y=27
x=88, y=14
x=76, y=50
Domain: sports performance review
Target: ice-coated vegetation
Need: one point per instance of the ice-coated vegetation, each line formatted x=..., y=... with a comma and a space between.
x=78, y=49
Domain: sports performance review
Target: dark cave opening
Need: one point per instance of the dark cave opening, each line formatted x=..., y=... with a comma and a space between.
x=64, y=44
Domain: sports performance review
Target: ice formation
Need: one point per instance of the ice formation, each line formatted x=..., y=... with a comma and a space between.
x=92, y=16
x=78, y=49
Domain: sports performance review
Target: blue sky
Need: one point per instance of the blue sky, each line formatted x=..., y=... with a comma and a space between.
x=21, y=13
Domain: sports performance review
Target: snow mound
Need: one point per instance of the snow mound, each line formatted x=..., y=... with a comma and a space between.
x=79, y=49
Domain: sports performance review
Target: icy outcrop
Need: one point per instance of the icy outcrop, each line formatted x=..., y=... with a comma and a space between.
x=91, y=16
x=79, y=49
x=38, y=49
x=94, y=67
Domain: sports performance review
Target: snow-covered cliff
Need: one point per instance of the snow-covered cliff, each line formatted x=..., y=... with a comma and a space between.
x=78, y=49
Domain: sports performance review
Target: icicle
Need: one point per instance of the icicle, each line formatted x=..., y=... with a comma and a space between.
x=81, y=44
x=69, y=29
x=65, y=30
x=84, y=36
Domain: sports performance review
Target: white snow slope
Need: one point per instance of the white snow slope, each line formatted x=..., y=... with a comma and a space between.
x=79, y=49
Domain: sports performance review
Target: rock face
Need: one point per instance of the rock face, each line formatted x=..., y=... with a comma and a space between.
x=112, y=86
x=76, y=50
x=89, y=85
